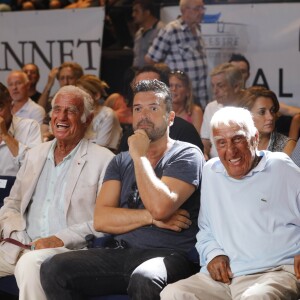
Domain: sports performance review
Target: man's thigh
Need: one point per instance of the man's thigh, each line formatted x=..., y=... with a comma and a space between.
x=30, y=261
x=199, y=286
x=278, y=283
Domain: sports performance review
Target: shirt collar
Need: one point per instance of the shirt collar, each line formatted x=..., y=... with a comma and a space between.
x=69, y=156
x=185, y=26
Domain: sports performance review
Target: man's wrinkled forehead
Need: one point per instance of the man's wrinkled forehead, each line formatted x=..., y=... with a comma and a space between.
x=228, y=131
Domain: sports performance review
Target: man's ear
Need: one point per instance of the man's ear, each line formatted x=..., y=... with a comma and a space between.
x=255, y=140
x=171, y=117
x=89, y=119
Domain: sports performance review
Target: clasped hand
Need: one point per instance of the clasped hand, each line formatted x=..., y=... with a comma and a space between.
x=48, y=242
x=138, y=143
x=177, y=222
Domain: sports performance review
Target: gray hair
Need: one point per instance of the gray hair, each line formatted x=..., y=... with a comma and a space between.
x=234, y=115
x=76, y=92
x=19, y=72
x=232, y=74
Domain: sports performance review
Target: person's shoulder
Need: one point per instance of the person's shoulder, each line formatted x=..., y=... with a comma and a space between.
x=213, y=165
x=160, y=25
x=212, y=105
x=276, y=159
x=197, y=109
x=39, y=150
x=186, y=148
x=108, y=111
x=94, y=149
x=122, y=159
x=175, y=24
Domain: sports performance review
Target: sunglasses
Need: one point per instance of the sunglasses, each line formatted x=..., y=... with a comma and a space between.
x=134, y=199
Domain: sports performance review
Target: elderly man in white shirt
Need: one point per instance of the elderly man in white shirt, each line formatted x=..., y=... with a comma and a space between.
x=17, y=135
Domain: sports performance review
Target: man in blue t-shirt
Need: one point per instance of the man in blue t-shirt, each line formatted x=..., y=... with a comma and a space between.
x=149, y=202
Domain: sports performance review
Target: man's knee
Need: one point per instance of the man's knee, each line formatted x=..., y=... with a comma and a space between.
x=263, y=292
x=28, y=261
x=148, y=279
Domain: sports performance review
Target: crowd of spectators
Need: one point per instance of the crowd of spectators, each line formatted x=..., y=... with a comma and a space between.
x=163, y=128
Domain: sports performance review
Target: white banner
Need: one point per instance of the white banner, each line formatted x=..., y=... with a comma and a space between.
x=267, y=34
x=49, y=38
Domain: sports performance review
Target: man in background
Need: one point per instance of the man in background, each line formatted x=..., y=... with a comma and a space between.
x=33, y=73
x=144, y=15
x=180, y=45
x=22, y=106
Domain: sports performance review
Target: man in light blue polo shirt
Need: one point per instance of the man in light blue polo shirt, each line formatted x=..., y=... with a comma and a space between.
x=250, y=224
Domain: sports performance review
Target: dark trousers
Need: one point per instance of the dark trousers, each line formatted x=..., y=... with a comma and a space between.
x=140, y=273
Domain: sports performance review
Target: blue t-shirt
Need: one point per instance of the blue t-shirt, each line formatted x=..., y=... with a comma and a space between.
x=183, y=161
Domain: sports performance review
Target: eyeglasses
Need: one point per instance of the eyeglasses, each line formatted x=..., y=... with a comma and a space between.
x=134, y=199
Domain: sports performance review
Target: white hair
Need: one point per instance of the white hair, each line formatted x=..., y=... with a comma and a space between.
x=234, y=115
x=77, y=92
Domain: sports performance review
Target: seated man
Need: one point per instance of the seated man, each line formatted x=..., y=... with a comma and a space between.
x=23, y=106
x=180, y=130
x=249, y=226
x=149, y=202
x=17, y=135
x=52, y=202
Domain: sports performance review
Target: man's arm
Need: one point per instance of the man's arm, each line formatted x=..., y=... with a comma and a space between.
x=288, y=110
x=211, y=254
x=29, y=137
x=46, y=92
x=10, y=141
x=161, y=197
x=72, y=237
x=110, y=218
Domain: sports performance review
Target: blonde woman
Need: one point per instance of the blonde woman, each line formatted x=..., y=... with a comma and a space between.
x=182, y=99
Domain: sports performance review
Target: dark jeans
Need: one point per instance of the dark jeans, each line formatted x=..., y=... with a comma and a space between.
x=140, y=273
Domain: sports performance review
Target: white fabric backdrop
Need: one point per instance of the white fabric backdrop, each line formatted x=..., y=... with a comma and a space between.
x=49, y=38
x=267, y=34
